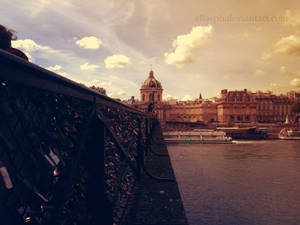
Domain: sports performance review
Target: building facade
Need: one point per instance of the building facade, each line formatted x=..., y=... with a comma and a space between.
x=239, y=106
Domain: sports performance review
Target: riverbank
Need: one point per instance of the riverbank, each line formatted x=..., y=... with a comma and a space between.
x=272, y=128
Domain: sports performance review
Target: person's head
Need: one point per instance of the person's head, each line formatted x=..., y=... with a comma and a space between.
x=6, y=36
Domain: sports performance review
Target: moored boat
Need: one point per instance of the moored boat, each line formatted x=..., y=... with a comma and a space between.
x=245, y=133
x=289, y=134
x=197, y=136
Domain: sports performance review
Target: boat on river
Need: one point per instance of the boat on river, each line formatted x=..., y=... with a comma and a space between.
x=245, y=133
x=197, y=136
x=289, y=134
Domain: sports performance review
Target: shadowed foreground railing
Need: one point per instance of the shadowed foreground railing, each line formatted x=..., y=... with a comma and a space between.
x=68, y=155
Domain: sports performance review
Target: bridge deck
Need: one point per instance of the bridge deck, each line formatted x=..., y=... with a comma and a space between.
x=157, y=202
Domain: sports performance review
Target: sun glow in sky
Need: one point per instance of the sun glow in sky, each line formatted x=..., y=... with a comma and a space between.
x=193, y=45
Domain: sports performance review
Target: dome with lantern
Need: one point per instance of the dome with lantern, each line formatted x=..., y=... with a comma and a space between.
x=151, y=90
x=151, y=82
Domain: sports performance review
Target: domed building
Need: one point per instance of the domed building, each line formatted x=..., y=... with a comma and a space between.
x=151, y=90
x=231, y=107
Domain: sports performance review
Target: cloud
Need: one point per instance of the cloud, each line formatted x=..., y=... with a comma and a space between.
x=288, y=45
x=54, y=68
x=119, y=94
x=295, y=82
x=90, y=67
x=186, y=44
x=285, y=71
x=167, y=96
x=28, y=45
x=275, y=85
x=259, y=73
x=266, y=56
x=187, y=97
x=117, y=61
x=101, y=83
x=292, y=18
x=90, y=42
x=245, y=35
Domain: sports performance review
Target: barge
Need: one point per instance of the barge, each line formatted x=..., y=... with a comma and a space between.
x=197, y=136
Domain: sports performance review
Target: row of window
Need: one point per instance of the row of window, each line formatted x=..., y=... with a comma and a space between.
x=151, y=97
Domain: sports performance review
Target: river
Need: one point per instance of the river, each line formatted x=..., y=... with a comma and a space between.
x=247, y=183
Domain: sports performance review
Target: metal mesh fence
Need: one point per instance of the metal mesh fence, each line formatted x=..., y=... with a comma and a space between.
x=44, y=169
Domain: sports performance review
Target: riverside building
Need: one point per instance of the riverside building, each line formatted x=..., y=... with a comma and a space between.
x=238, y=106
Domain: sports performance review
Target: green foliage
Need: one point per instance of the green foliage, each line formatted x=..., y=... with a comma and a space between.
x=99, y=89
x=296, y=107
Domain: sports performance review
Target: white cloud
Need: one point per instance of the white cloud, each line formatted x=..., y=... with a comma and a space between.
x=293, y=18
x=90, y=42
x=167, y=96
x=288, y=45
x=259, y=73
x=54, y=68
x=90, y=67
x=119, y=94
x=101, y=83
x=186, y=44
x=295, y=82
x=274, y=85
x=187, y=97
x=117, y=61
x=245, y=35
x=28, y=45
x=285, y=71
x=266, y=56
x=65, y=74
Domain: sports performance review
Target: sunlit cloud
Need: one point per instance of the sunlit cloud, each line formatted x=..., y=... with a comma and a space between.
x=167, y=96
x=275, y=85
x=293, y=18
x=29, y=46
x=101, y=83
x=117, y=61
x=90, y=42
x=186, y=44
x=187, y=97
x=119, y=95
x=266, y=56
x=89, y=67
x=285, y=71
x=288, y=45
x=54, y=68
x=245, y=35
x=259, y=73
x=295, y=82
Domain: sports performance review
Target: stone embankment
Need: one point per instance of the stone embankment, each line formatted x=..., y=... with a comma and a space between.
x=157, y=202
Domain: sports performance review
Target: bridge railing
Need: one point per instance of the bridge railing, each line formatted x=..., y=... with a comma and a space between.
x=68, y=155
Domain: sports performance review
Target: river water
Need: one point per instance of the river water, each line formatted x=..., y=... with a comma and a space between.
x=247, y=183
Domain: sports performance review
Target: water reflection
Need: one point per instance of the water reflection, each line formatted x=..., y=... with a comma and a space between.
x=244, y=183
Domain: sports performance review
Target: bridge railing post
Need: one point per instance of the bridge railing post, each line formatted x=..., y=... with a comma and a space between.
x=98, y=203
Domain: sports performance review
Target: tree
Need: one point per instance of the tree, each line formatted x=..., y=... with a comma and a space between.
x=296, y=107
x=99, y=89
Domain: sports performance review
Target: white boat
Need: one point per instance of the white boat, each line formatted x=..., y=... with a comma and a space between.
x=197, y=136
x=289, y=134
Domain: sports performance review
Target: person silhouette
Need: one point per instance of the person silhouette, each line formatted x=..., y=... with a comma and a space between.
x=6, y=36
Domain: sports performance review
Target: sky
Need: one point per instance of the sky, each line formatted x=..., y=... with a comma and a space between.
x=194, y=46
